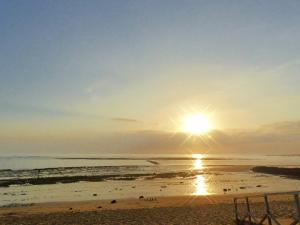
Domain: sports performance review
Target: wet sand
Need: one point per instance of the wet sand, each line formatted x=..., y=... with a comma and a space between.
x=57, y=178
x=164, y=210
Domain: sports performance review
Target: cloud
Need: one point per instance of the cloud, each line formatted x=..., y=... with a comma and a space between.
x=276, y=138
x=287, y=127
x=13, y=110
x=125, y=120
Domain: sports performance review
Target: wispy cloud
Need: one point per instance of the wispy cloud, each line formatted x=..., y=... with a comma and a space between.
x=125, y=120
x=19, y=109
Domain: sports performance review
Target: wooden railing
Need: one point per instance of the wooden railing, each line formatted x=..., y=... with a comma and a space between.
x=268, y=216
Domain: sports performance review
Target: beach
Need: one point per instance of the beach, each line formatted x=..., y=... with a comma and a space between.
x=203, y=210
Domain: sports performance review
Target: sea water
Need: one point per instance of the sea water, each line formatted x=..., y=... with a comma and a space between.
x=150, y=175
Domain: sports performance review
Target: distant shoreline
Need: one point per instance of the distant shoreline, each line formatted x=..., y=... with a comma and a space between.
x=150, y=158
x=288, y=172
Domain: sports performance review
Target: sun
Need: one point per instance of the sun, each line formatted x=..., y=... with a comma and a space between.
x=196, y=124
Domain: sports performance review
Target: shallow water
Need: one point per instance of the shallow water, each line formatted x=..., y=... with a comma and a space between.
x=158, y=175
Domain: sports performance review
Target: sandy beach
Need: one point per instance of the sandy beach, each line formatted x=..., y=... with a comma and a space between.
x=163, y=210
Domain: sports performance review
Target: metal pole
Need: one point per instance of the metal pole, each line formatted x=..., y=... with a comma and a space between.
x=296, y=197
x=236, y=212
x=268, y=210
x=248, y=210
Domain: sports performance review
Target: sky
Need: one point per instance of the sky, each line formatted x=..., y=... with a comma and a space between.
x=117, y=76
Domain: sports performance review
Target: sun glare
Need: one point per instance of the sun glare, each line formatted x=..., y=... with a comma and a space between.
x=196, y=124
x=201, y=186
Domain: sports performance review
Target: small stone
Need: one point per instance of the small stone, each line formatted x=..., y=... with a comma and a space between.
x=141, y=197
x=113, y=201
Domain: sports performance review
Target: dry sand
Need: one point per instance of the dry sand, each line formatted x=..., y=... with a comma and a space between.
x=162, y=210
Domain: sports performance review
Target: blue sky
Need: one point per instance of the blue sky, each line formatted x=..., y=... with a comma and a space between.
x=71, y=67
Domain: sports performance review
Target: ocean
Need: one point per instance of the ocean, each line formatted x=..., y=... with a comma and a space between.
x=33, y=179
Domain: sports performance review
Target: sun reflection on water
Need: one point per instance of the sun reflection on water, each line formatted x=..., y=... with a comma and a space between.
x=200, y=181
x=200, y=184
x=198, y=164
